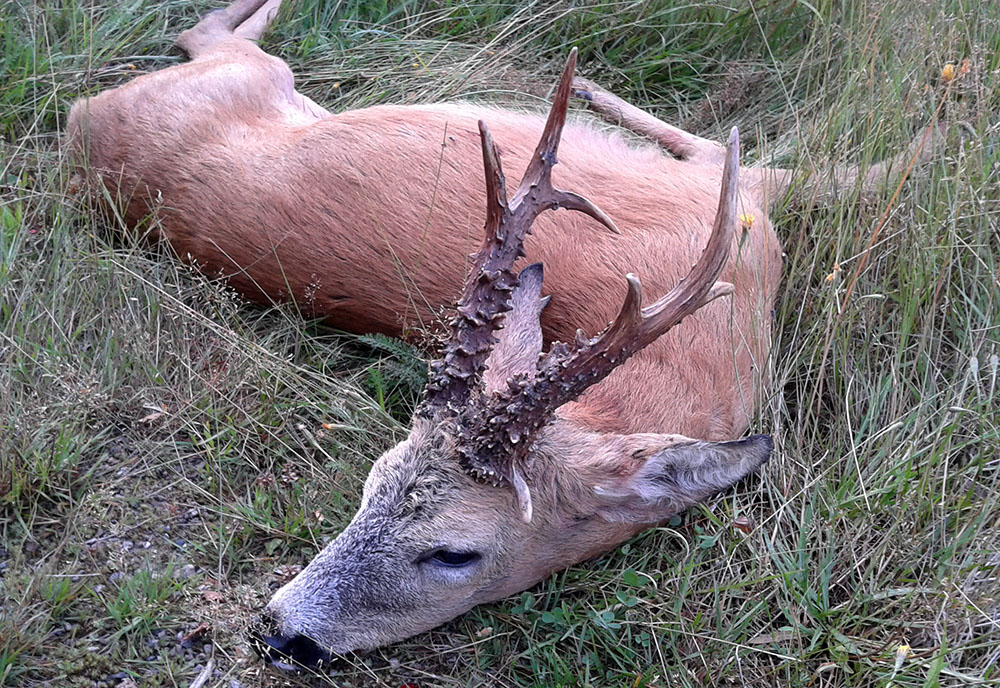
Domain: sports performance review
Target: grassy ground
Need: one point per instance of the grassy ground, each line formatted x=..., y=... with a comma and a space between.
x=168, y=454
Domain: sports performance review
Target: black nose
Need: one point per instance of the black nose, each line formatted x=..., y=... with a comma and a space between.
x=286, y=652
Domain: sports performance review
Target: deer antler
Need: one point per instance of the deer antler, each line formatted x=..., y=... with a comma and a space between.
x=495, y=434
x=486, y=298
x=495, y=437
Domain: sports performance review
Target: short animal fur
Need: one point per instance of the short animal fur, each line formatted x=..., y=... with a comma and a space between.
x=368, y=218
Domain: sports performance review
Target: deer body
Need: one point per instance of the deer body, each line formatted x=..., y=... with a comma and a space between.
x=521, y=461
x=368, y=217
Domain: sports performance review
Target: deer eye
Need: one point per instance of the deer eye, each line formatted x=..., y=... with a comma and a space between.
x=445, y=557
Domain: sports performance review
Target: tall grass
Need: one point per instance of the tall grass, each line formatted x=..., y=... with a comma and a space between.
x=150, y=421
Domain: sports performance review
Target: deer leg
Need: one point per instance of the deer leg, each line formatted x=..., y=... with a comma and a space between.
x=218, y=25
x=253, y=28
x=677, y=141
x=247, y=20
x=259, y=22
x=774, y=183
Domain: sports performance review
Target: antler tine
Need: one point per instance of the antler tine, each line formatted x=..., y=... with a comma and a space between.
x=638, y=327
x=488, y=289
x=496, y=185
x=635, y=327
x=544, y=157
x=516, y=414
x=537, y=178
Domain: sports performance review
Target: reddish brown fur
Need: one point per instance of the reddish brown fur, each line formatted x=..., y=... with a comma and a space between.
x=368, y=217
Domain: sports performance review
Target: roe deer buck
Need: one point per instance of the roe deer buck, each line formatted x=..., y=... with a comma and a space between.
x=518, y=463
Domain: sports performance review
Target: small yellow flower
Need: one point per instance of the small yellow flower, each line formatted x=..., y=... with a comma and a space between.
x=902, y=652
x=746, y=220
x=833, y=275
x=948, y=72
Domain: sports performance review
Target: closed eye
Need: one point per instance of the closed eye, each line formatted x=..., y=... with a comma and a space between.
x=450, y=558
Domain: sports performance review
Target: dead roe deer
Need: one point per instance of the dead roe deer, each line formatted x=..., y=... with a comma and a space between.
x=519, y=463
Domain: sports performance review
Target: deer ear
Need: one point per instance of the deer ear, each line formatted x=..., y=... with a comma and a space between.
x=520, y=340
x=672, y=478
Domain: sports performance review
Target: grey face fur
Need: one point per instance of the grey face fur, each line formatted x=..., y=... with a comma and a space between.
x=379, y=581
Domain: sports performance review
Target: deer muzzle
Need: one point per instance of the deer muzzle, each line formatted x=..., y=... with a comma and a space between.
x=286, y=652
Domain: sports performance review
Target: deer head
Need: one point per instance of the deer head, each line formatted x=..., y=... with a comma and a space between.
x=492, y=491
